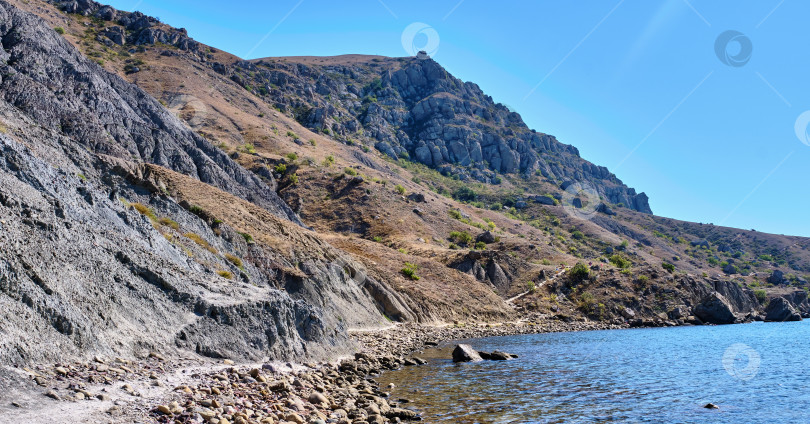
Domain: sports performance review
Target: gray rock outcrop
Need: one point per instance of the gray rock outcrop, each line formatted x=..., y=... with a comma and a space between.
x=715, y=309
x=777, y=277
x=779, y=309
x=465, y=353
x=82, y=273
x=411, y=108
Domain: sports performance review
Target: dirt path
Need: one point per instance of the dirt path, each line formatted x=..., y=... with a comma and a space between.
x=511, y=300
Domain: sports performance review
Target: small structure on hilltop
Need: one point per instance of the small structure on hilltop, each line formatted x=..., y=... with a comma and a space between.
x=422, y=55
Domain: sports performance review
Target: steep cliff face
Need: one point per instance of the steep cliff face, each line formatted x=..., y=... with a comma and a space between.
x=414, y=108
x=123, y=231
x=53, y=84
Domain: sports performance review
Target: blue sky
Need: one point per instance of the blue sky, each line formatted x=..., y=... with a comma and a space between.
x=636, y=85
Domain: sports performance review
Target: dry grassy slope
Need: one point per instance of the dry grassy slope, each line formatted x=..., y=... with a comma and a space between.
x=350, y=214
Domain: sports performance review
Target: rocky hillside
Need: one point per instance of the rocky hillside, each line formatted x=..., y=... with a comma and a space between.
x=413, y=108
x=159, y=194
x=404, y=107
x=103, y=254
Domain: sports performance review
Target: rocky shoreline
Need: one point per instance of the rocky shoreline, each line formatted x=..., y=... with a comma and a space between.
x=158, y=390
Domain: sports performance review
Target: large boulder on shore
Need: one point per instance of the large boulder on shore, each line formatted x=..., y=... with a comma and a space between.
x=715, y=309
x=779, y=309
x=465, y=353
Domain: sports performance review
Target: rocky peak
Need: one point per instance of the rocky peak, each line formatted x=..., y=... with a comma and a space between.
x=134, y=28
x=413, y=108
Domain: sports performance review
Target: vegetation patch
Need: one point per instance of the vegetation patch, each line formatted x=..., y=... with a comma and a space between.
x=410, y=271
x=234, y=260
x=460, y=237
x=200, y=241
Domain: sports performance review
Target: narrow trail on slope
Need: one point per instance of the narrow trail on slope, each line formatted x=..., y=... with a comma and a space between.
x=511, y=300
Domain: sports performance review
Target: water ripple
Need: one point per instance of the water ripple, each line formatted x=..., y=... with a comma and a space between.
x=641, y=375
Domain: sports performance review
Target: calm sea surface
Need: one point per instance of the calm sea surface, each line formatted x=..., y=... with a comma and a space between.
x=755, y=373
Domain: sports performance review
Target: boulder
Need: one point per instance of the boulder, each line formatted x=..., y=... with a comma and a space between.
x=417, y=197
x=465, y=353
x=544, y=200
x=779, y=309
x=714, y=309
x=497, y=355
x=486, y=237
x=777, y=277
x=605, y=209
x=628, y=313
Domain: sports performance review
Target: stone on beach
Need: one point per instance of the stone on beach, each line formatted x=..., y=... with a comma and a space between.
x=465, y=353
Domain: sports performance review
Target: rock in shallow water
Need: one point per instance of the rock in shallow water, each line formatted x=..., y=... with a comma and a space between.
x=465, y=353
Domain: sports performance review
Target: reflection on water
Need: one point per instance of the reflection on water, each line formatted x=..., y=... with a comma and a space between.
x=640, y=375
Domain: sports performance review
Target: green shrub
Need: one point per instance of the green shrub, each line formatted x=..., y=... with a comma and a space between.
x=579, y=271
x=196, y=210
x=59, y=30
x=225, y=274
x=313, y=142
x=667, y=266
x=249, y=148
x=399, y=189
x=410, y=271
x=292, y=157
x=454, y=213
x=464, y=194
x=620, y=261
x=460, y=237
x=378, y=239
x=530, y=286
x=496, y=206
x=248, y=238
x=349, y=171
x=577, y=235
x=761, y=295
x=480, y=245
x=281, y=169
x=329, y=161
